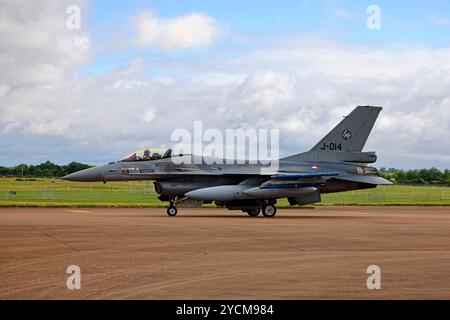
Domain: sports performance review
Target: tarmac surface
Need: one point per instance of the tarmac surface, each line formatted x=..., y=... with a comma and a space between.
x=141, y=253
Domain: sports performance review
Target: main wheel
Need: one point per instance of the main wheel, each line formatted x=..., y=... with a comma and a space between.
x=172, y=211
x=269, y=211
x=252, y=212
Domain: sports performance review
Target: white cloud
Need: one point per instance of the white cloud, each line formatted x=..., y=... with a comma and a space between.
x=303, y=87
x=149, y=115
x=266, y=89
x=187, y=31
x=36, y=47
x=344, y=14
x=440, y=21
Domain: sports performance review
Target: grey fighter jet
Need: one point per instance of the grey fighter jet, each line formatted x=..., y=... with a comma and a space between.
x=335, y=164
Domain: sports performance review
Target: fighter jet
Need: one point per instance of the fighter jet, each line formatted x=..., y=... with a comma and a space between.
x=335, y=164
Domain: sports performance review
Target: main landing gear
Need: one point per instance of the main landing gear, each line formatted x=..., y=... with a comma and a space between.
x=252, y=212
x=268, y=211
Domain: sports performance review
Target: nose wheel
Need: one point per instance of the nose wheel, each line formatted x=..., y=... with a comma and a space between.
x=172, y=210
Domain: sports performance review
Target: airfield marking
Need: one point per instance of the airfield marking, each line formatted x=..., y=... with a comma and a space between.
x=77, y=211
x=357, y=212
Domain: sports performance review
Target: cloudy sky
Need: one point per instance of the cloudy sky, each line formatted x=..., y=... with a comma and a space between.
x=130, y=72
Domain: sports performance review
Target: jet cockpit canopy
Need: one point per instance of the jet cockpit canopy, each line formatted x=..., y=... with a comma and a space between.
x=148, y=154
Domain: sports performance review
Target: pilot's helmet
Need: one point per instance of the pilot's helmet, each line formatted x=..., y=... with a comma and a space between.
x=146, y=154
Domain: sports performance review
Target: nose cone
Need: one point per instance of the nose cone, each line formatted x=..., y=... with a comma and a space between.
x=86, y=175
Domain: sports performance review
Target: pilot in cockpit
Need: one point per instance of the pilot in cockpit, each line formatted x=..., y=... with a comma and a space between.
x=146, y=154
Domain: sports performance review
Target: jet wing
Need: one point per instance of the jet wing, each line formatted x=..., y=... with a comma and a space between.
x=282, y=176
x=365, y=179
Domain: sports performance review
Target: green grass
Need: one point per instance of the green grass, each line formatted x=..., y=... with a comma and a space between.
x=392, y=195
x=57, y=192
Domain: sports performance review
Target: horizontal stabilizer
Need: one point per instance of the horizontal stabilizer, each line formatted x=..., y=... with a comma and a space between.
x=334, y=156
x=365, y=179
x=303, y=175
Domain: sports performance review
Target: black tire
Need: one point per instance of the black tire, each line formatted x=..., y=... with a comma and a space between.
x=269, y=211
x=172, y=211
x=253, y=212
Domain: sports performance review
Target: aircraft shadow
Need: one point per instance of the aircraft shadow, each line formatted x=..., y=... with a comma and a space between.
x=260, y=218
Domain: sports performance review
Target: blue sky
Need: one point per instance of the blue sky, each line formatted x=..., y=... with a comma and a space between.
x=137, y=70
x=404, y=23
x=277, y=17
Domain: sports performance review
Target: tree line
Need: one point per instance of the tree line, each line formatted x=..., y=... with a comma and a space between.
x=44, y=170
x=431, y=176
x=49, y=169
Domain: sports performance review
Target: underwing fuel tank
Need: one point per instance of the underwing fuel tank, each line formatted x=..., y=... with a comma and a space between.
x=235, y=192
x=279, y=192
x=219, y=193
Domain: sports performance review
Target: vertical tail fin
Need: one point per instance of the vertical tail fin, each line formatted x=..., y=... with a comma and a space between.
x=352, y=132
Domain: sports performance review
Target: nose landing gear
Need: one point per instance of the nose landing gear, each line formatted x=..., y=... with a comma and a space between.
x=172, y=211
